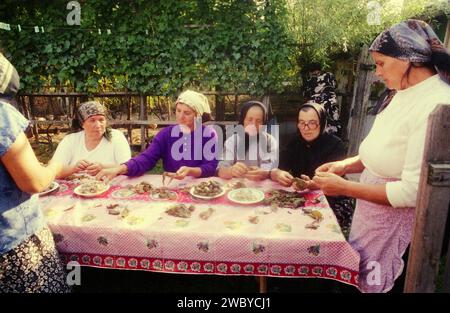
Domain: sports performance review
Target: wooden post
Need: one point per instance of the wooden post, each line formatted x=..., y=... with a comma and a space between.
x=130, y=127
x=142, y=117
x=432, y=205
x=447, y=271
x=33, y=115
x=220, y=107
x=262, y=284
x=360, y=101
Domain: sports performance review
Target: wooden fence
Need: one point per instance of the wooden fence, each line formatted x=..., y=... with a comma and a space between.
x=432, y=208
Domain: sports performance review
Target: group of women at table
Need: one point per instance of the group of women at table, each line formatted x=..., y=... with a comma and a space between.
x=409, y=58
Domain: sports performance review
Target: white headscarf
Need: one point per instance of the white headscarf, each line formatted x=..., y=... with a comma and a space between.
x=195, y=100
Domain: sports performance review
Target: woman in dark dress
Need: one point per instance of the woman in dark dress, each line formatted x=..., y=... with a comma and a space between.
x=310, y=148
x=320, y=88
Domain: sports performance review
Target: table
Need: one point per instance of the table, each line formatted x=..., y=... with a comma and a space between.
x=234, y=240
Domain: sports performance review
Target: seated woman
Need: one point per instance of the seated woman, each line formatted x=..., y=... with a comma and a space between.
x=91, y=145
x=252, y=153
x=178, y=146
x=309, y=149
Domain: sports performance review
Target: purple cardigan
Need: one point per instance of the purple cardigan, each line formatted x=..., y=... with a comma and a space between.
x=176, y=150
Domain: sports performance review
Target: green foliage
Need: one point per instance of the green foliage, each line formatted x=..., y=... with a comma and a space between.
x=326, y=28
x=163, y=46
x=230, y=45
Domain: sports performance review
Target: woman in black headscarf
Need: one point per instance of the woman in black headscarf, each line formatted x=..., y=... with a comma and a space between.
x=251, y=152
x=310, y=148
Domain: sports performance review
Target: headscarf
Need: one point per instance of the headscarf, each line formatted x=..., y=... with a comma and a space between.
x=90, y=108
x=249, y=104
x=414, y=41
x=9, y=79
x=321, y=113
x=245, y=107
x=195, y=100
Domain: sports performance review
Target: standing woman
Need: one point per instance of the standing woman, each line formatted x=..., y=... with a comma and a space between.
x=320, y=88
x=251, y=153
x=186, y=149
x=91, y=145
x=29, y=261
x=411, y=60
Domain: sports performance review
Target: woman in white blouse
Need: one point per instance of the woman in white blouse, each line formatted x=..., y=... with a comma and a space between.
x=252, y=152
x=91, y=145
x=413, y=63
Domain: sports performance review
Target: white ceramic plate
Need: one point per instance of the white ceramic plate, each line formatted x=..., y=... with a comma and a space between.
x=191, y=191
x=53, y=186
x=78, y=192
x=255, y=194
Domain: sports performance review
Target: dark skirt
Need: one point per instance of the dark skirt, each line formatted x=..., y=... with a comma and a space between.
x=33, y=267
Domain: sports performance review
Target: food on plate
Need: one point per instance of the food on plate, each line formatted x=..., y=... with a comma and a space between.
x=180, y=210
x=141, y=188
x=94, y=187
x=52, y=187
x=79, y=178
x=246, y=195
x=163, y=194
x=285, y=199
x=209, y=188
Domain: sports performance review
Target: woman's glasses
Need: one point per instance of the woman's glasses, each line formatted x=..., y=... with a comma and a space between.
x=311, y=124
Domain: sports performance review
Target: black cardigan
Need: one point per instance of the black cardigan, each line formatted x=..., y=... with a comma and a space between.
x=302, y=157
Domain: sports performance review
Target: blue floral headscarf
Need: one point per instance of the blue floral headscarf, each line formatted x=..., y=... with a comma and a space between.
x=414, y=41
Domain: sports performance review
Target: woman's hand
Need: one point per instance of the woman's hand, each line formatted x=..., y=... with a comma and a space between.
x=94, y=168
x=81, y=165
x=239, y=169
x=256, y=174
x=182, y=172
x=107, y=174
x=337, y=168
x=282, y=177
x=310, y=184
x=330, y=183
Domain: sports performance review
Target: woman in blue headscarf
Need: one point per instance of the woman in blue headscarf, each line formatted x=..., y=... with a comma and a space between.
x=413, y=63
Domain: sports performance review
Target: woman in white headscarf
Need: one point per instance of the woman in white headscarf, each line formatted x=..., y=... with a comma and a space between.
x=183, y=153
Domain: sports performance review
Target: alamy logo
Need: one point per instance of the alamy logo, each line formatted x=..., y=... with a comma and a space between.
x=374, y=13
x=74, y=16
x=374, y=276
x=241, y=147
x=74, y=274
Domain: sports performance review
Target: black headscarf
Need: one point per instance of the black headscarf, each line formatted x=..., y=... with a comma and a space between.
x=321, y=113
x=303, y=157
x=245, y=107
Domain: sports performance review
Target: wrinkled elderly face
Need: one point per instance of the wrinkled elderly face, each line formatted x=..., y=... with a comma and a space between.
x=95, y=126
x=391, y=70
x=309, y=124
x=253, y=120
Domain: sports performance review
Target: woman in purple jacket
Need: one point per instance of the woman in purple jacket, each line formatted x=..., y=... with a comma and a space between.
x=186, y=149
